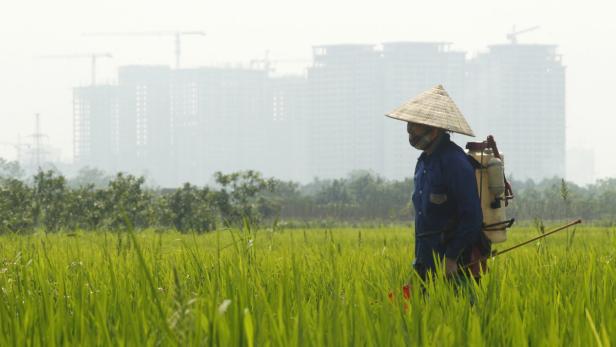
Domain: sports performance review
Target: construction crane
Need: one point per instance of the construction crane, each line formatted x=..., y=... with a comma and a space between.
x=92, y=56
x=176, y=34
x=264, y=64
x=513, y=35
x=268, y=64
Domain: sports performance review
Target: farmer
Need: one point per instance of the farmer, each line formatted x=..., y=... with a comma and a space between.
x=448, y=215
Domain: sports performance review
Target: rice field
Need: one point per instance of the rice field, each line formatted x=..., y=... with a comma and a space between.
x=315, y=287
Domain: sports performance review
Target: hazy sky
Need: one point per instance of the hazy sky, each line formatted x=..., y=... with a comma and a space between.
x=238, y=31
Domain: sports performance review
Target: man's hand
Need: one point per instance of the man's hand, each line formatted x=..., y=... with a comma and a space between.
x=451, y=267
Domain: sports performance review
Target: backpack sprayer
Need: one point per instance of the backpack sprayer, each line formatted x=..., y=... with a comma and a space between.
x=494, y=189
x=494, y=193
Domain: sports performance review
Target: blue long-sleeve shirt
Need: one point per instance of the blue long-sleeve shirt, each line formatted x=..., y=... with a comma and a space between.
x=445, y=195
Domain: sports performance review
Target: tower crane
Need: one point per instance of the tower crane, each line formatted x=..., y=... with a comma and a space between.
x=177, y=35
x=93, y=57
x=513, y=35
x=265, y=63
x=268, y=64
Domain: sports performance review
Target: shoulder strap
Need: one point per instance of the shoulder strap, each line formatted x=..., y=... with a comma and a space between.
x=474, y=163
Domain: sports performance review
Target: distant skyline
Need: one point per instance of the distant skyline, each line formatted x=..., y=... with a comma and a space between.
x=238, y=32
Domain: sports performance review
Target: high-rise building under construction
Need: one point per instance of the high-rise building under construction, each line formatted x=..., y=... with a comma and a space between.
x=220, y=121
x=516, y=92
x=345, y=93
x=125, y=127
x=144, y=122
x=95, y=126
x=176, y=126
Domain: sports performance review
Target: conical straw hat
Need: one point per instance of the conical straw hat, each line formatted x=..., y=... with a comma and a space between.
x=434, y=108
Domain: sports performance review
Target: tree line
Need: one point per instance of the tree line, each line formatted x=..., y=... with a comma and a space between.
x=93, y=200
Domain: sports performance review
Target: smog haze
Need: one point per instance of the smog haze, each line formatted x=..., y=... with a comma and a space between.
x=238, y=32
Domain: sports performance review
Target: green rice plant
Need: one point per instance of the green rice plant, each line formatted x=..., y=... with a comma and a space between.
x=309, y=287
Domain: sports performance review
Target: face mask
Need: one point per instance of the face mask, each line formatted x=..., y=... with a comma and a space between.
x=422, y=141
